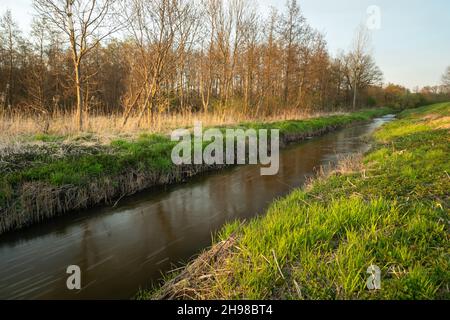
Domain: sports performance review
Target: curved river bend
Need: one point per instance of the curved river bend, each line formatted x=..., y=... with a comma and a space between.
x=121, y=249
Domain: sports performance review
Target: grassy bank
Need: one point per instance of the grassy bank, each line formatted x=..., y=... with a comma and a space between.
x=48, y=176
x=389, y=208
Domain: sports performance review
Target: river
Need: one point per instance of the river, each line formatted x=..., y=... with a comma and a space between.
x=122, y=249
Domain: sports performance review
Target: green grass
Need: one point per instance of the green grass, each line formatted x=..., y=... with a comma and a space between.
x=47, y=138
x=146, y=153
x=312, y=125
x=318, y=243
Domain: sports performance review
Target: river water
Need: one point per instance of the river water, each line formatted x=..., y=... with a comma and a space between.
x=122, y=249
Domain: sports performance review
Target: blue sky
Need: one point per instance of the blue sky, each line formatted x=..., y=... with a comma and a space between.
x=412, y=47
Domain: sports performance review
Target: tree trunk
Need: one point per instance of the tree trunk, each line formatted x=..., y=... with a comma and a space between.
x=205, y=97
x=354, y=96
x=79, y=90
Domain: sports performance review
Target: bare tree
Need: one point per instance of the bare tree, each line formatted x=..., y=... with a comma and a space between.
x=162, y=32
x=292, y=30
x=37, y=78
x=446, y=78
x=270, y=59
x=206, y=56
x=11, y=41
x=362, y=70
x=85, y=23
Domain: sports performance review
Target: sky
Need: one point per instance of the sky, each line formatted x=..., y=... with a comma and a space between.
x=411, y=45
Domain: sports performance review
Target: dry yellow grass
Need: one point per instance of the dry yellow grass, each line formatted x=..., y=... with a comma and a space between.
x=105, y=127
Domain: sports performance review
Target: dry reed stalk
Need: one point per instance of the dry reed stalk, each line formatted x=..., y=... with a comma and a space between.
x=345, y=164
x=12, y=127
x=38, y=201
x=190, y=284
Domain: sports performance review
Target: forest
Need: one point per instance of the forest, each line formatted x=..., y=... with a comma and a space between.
x=88, y=66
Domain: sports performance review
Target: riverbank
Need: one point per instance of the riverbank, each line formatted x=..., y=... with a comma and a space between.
x=49, y=176
x=388, y=208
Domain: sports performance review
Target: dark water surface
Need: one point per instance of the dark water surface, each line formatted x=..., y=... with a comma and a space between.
x=122, y=249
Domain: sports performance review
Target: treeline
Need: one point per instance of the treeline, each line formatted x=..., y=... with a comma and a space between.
x=148, y=57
